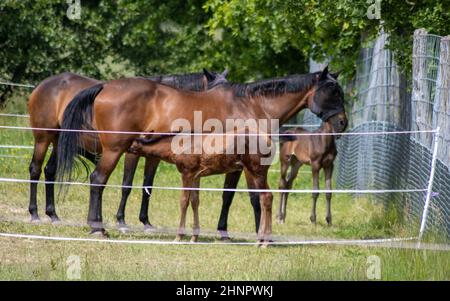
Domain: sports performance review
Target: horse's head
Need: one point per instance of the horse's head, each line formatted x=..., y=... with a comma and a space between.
x=328, y=101
x=214, y=79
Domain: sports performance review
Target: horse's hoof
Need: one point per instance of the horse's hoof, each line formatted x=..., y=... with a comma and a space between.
x=35, y=220
x=123, y=228
x=194, y=238
x=149, y=228
x=56, y=222
x=225, y=239
x=179, y=238
x=280, y=221
x=328, y=219
x=99, y=233
x=312, y=219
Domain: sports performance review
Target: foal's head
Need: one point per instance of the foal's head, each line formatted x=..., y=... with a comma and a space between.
x=328, y=101
x=214, y=79
x=138, y=145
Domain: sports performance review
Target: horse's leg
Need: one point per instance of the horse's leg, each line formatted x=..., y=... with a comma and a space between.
x=255, y=200
x=282, y=185
x=259, y=181
x=295, y=166
x=40, y=149
x=266, y=199
x=195, y=201
x=98, y=179
x=129, y=169
x=231, y=181
x=50, y=176
x=151, y=165
x=315, y=173
x=328, y=174
x=184, y=204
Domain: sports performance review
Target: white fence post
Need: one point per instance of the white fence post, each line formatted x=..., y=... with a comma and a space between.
x=430, y=186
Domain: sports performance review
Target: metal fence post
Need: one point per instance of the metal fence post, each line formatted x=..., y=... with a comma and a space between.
x=430, y=186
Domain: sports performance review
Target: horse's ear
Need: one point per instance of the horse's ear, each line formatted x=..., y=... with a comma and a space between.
x=323, y=74
x=209, y=76
x=336, y=74
x=225, y=73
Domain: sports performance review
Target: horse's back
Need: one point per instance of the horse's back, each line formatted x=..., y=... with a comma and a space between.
x=48, y=100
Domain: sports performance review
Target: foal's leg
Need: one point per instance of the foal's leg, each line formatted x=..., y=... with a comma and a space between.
x=231, y=181
x=184, y=204
x=282, y=185
x=50, y=176
x=40, y=149
x=328, y=175
x=151, y=165
x=195, y=201
x=129, y=170
x=98, y=179
x=266, y=199
x=295, y=166
x=315, y=173
x=259, y=181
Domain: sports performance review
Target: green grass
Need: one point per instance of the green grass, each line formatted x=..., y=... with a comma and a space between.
x=355, y=219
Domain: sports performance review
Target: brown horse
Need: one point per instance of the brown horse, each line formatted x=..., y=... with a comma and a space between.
x=317, y=151
x=46, y=106
x=218, y=154
x=147, y=106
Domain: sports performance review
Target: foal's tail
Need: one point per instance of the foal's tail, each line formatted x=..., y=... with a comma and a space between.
x=77, y=115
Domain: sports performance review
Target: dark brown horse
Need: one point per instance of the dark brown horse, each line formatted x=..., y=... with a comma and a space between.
x=46, y=106
x=317, y=151
x=147, y=106
x=218, y=154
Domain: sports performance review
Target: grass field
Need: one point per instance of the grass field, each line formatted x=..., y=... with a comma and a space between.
x=355, y=219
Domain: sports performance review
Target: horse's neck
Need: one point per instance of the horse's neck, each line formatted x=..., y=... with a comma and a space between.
x=161, y=149
x=325, y=128
x=285, y=106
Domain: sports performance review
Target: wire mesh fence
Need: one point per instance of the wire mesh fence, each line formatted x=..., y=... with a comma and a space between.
x=383, y=103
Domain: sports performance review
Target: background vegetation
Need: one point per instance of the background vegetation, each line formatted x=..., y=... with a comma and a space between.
x=253, y=38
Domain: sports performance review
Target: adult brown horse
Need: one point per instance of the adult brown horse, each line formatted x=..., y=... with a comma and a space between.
x=147, y=106
x=46, y=105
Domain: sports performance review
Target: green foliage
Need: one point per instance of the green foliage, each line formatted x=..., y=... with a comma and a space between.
x=38, y=40
x=253, y=38
x=401, y=18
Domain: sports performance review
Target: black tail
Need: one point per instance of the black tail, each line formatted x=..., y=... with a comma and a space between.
x=76, y=115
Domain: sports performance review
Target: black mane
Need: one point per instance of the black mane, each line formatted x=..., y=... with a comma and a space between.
x=190, y=81
x=274, y=87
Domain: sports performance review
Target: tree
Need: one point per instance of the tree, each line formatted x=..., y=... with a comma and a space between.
x=38, y=40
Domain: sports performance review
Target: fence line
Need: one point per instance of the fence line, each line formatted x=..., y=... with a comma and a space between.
x=360, y=191
x=159, y=242
x=16, y=84
x=213, y=133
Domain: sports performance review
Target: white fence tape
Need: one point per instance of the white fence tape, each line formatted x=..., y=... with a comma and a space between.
x=159, y=242
x=216, y=134
x=361, y=191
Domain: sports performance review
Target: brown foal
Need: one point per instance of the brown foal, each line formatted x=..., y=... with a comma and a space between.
x=222, y=157
x=317, y=151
